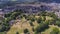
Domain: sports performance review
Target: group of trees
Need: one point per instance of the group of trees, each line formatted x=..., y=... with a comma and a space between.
x=43, y=24
x=4, y=25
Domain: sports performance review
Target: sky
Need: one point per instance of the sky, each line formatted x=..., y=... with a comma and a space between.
x=18, y=0
x=34, y=0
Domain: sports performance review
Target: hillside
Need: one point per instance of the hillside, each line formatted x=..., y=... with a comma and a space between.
x=18, y=22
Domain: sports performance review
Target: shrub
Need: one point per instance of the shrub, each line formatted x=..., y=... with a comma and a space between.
x=32, y=19
x=57, y=23
x=39, y=20
x=5, y=26
x=55, y=31
x=26, y=31
x=41, y=27
x=17, y=32
x=31, y=23
x=43, y=13
x=33, y=29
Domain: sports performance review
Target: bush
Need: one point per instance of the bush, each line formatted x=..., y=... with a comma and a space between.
x=5, y=26
x=57, y=23
x=17, y=32
x=51, y=14
x=43, y=13
x=26, y=31
x=31, y=23
x=39, y=20
x=32, y=19
x=41, y=27
x=55, y=31
x=50, y=22
x=3, y=32
x=33, y=29
x=29, y=17
x=8, y=15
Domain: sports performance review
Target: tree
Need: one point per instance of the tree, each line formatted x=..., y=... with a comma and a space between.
x=57, y=23
x=41, y=27
x=17, y=32
x=51, y=14
x=5, y=26
x=42, y=13
x=39, y=20
x=26, y=31
x=32, y=19
x=31, y=23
